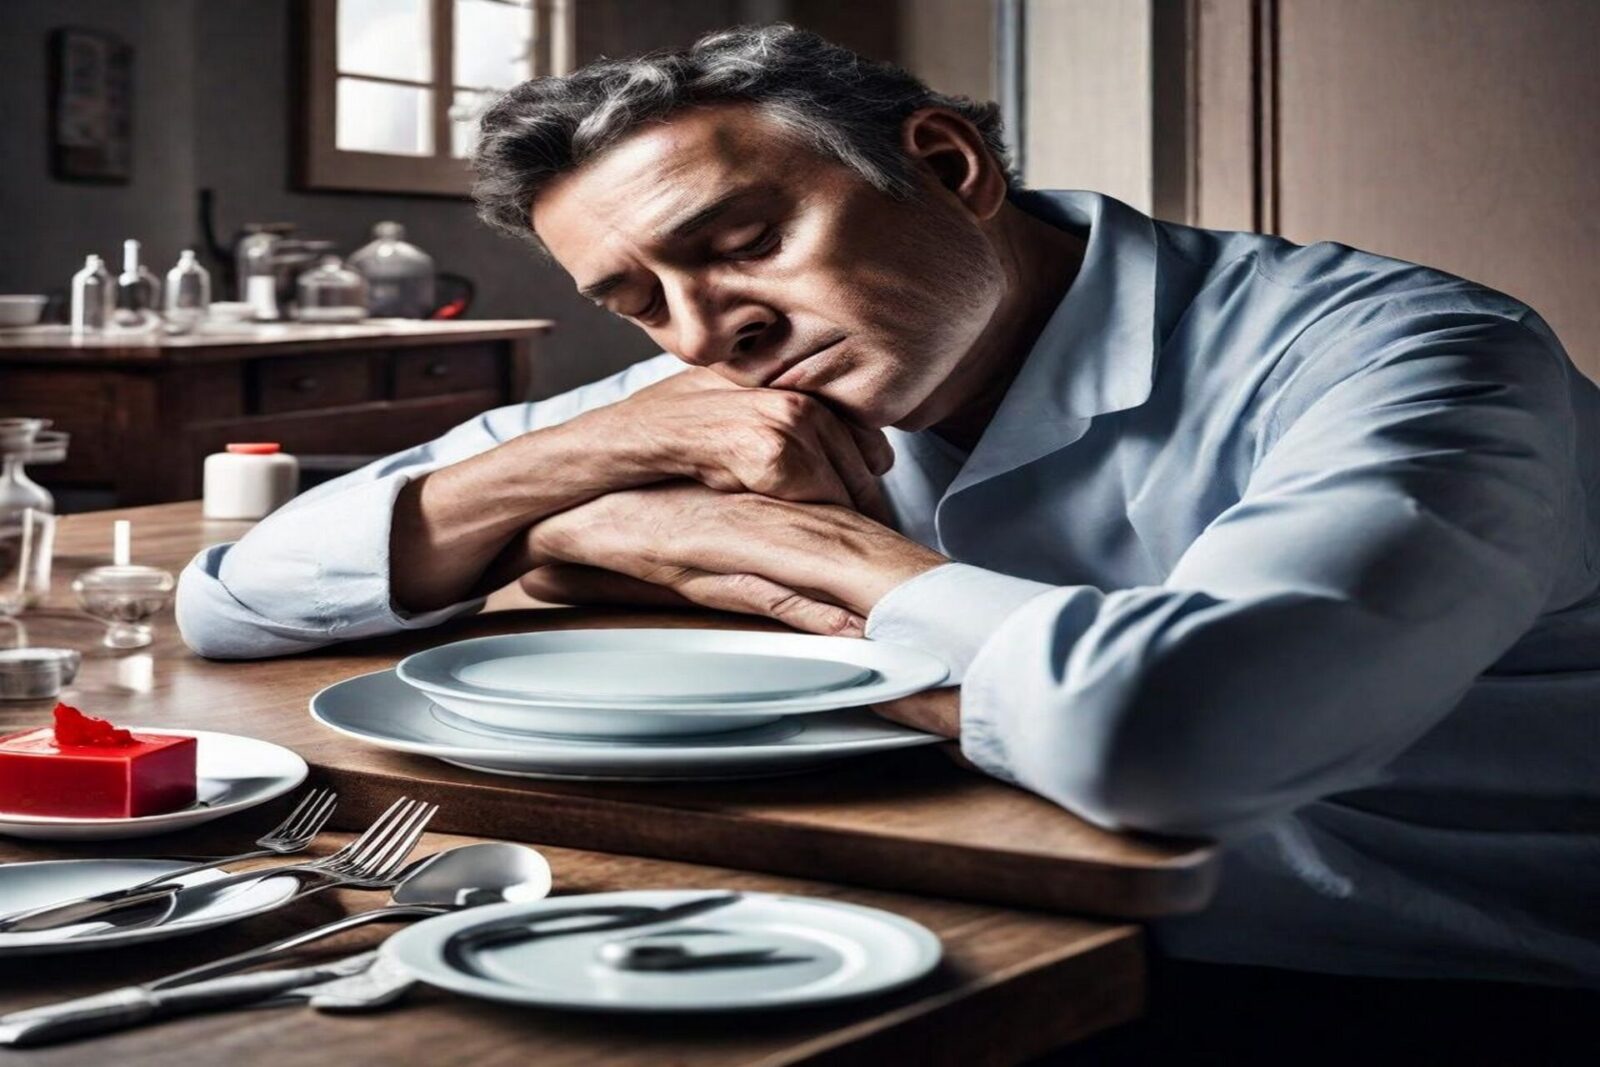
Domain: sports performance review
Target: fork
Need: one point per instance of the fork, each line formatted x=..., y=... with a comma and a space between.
x=372, y=861
x=298, y=829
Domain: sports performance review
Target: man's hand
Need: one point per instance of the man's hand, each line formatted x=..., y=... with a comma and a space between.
x=781, y=444
x=817, y=567
x=456, y=529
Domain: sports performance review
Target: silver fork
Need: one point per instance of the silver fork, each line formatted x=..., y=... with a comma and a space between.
x=298, y=829
x=371, y=861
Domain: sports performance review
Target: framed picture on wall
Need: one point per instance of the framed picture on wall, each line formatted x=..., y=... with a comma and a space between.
x=91, y=106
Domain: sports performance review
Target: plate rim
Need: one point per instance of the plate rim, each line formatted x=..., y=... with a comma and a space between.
x=137, y=935
x=929, y=946
x=294, y=779
x=936, y=670
x=911, y=738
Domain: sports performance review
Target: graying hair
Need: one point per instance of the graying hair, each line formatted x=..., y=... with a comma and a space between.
x=846, y=107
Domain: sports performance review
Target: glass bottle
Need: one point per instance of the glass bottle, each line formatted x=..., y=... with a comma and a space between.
x=92, y=296
x=137, y=288
x=188, y=292
x=20, y=495
x=400, y=276
x=332, y=292
x=258, y=284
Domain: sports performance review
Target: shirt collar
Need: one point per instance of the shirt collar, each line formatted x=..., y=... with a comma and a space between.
x=1097, y=353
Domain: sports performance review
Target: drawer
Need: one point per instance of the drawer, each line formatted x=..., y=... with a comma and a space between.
x=303, y=383
x=436, y=371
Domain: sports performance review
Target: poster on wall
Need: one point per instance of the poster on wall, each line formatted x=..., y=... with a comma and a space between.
x=91, y=106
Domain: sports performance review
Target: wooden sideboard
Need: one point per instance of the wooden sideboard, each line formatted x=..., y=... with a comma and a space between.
x=144, y=412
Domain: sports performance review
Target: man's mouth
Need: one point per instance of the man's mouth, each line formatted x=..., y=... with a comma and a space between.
x=790, y=375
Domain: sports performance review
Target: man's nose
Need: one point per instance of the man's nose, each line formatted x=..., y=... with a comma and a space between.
x=708, y=334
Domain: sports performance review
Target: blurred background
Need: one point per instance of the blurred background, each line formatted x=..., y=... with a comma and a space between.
x=1458, y=133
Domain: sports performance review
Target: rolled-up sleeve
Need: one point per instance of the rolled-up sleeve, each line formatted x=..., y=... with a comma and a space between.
x=1393, y=540
x=316, y=571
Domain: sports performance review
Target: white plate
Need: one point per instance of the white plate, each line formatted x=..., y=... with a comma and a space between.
x=30, y=885
x=839, y=952
x=382, y=710
x=660, y=683
x=233, y=772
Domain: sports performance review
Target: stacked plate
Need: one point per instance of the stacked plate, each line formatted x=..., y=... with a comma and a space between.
x=636, y=704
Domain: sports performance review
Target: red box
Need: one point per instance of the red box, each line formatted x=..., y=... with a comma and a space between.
x=38, y=776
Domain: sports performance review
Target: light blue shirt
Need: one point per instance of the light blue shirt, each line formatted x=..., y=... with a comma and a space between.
x=1291, y=546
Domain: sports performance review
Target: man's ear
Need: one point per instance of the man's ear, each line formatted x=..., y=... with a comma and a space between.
x=953, y=152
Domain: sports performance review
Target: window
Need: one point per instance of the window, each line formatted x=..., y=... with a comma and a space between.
x=393, y=87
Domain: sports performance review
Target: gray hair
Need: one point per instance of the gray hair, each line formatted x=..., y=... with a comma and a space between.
x=846, y=107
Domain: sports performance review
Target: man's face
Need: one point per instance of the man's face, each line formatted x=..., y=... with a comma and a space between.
x=736, y=246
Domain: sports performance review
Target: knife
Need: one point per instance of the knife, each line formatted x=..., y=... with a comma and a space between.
x=128, y=1007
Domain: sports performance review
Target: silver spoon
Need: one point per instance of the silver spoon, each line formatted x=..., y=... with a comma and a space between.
x=466, y=876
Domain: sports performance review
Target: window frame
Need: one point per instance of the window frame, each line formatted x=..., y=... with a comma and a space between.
x=322, y=165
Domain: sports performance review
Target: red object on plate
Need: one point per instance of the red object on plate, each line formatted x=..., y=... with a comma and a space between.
x=85, y=768
x=255, y=448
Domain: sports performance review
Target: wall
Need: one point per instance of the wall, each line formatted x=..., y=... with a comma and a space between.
x=49, y=226
x=1088, y=97
x=950, y=45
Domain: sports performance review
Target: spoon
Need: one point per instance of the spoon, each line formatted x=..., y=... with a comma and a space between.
x=466, y=876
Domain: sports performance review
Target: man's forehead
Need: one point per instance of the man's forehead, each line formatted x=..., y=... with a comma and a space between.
x=640, y=186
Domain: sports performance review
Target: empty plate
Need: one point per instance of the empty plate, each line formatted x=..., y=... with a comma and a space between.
x=823, y=951
x=380, y=709
x=660, y=683
x=233, y=773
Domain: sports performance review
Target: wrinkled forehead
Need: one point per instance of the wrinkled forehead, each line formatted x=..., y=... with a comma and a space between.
x=632, y=193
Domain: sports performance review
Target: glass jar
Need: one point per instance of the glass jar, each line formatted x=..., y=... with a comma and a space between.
x=258, y=285
x=332, y=292
x=27, y=511
x=400, y=276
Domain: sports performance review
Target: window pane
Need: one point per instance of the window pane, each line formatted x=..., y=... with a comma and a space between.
x=465, y=111
x=386, y=39
x=378, y=117
x=492, y=43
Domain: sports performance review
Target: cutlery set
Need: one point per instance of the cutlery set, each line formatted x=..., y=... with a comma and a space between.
x=487, y=930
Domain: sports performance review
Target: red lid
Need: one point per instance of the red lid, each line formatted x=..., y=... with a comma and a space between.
x=258, y=448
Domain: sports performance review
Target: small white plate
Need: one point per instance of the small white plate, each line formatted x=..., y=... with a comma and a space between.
x=233, y=772
x=382, y=710
x=835, y=951
x=31, y=885
x=640, y=683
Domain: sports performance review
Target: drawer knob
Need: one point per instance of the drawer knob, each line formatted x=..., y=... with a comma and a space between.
x=304, y=384
x=436, y=369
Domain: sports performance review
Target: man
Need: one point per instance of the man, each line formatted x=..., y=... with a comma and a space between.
x=1220, y=535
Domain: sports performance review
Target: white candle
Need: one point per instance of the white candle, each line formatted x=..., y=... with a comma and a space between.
x=121, y=542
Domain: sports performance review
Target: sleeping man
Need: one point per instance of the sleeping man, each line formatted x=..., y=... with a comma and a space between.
x=1294, y=547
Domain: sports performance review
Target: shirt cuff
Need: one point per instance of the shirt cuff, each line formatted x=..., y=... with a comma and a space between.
x=949, y=612
x=325, y=562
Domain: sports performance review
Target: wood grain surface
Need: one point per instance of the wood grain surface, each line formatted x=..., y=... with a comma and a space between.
x=911, y=821
x=1012, y=985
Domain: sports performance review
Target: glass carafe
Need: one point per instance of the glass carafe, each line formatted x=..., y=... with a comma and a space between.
x=27, y=510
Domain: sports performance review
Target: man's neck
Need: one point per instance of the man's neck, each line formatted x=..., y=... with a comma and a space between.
x=1041, y=263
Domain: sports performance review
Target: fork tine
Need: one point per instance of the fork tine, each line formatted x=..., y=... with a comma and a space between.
x=286, y=826
x=315, y=820
x=299, y=821
x=386, y=864
x=374, y=843
x=356, y=844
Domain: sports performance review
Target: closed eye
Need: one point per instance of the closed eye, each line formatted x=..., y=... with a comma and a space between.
x=763, y=243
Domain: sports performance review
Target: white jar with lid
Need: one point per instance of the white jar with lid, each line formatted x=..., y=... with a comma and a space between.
x=249, y=481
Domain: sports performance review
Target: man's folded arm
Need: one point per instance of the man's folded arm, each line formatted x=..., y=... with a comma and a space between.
x=1392, y=543
x=317, y=570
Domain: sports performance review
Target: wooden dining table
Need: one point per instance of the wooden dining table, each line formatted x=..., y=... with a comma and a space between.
x=1038, y=911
